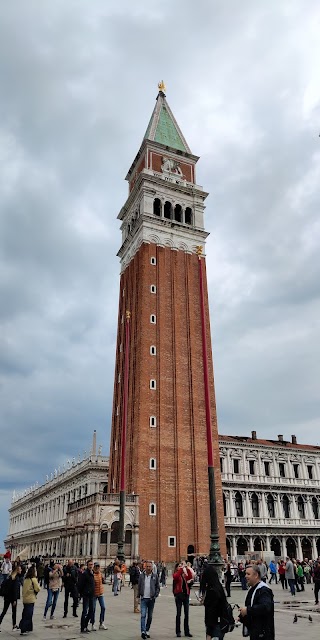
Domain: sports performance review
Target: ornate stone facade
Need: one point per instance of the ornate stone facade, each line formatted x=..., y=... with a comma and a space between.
x=73, y=515
x=271, y=496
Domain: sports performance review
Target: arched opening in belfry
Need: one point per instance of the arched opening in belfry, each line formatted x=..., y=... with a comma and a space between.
x=188, y=215
x=157, y=207
x=167, y=210
x=178, y=213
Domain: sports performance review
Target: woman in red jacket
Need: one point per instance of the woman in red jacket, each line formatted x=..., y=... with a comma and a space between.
x=181, y=591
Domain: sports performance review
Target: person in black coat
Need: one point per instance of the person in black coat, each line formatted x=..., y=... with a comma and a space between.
x=214, y=600
x=86, y=590
x=257, y=616
x=12, y=595
x=70, y=581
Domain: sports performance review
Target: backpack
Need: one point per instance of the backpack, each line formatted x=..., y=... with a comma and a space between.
x=227, y=622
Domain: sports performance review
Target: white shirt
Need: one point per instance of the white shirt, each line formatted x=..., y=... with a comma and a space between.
x=147, y=580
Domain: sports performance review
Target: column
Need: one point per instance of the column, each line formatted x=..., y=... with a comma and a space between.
x=95, y=544
x=284, y=547
x=268, y=547
x=134, y=551
x=264, y=510
x=251, y=543
x=248, y=506
x=314, y=549
x=233, y=547
x=299, y=548
x=279, y=506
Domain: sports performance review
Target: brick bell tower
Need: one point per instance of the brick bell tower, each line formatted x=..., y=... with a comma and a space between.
x=166, y=459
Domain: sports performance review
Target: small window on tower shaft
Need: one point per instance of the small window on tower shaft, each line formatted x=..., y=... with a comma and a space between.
x=153, y=260
x=152, y=509
x=153, y=463
x=153, y=421
x=153, y=288
x=171, y=541
x=153, y=384
x=153, y=319
x=153, y=350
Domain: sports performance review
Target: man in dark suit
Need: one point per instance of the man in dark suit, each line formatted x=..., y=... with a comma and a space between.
x=257, y=616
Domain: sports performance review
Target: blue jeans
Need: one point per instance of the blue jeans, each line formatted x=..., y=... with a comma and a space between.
x=102, y=608
x=52, y=599
x=87, y=611
x=147, y=606
x=292, y=586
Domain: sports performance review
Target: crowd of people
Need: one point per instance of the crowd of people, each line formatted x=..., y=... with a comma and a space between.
x=83, y=585
x=292, y=574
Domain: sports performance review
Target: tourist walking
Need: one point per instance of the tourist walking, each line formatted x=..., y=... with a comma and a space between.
x=214, y=600
x=11, y=595
x=134, y=576
x=257, y=616
x=290, y=576
x=86, y=590
x=148, y=591
x=70, y=582
x=242, y=576
x=30, y=590
x=273, y=572
x=40, y=573
x=6, y=568
x=163, y=576
x=98, y=596
x=116, y=578
x=181, y=591
x=282, y=576
x=54, y=586
x=228, y=580
x=316, y=580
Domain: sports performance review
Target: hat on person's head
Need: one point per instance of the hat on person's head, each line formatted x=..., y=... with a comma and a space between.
x=96, y=564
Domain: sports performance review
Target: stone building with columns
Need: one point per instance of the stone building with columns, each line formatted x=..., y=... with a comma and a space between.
x=271, y=495
x=271, y=498
x=72, y=514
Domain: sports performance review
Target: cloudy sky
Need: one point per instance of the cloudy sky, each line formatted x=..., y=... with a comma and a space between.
x=78, y=83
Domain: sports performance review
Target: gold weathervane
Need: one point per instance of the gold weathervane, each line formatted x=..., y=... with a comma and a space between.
x=162, y=86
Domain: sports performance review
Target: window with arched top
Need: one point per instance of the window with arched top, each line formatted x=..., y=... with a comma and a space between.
x=152, y=509
x=152, y=463
x=188, y=215
x=315, y=508
x=178, y=213
x=239, y=504
x=301, y=510
x=167, y=210
x=286, y=506
x=153, y=288
x=105, y=488
x=157, y=207
x=103, y=537
x=270, y=505
x=255, y=505
x=153, y=319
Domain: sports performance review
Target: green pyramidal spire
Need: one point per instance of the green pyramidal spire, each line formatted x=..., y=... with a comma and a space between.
x=163, y=127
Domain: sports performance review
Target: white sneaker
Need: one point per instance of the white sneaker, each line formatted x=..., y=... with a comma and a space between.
x=44, y=618
x=103, y=626
x=93, y=628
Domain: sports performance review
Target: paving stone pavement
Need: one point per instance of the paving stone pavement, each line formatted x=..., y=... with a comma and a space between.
x=123, y=624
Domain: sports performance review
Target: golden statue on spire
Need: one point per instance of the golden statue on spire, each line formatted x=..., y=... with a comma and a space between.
x=162, y=86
